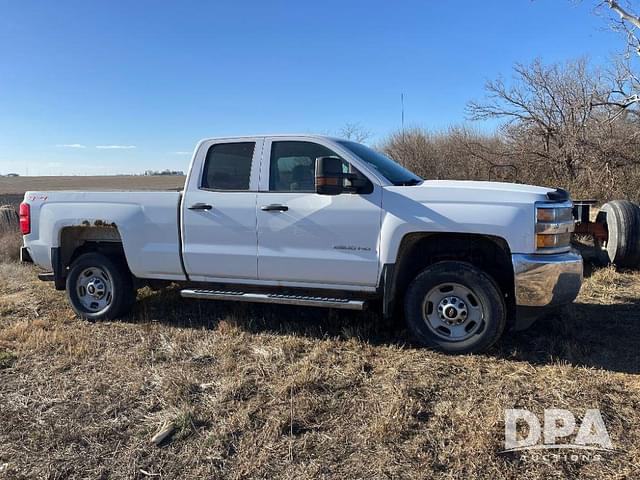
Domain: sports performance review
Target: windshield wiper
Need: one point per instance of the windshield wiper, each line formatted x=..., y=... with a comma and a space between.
x=409, y=183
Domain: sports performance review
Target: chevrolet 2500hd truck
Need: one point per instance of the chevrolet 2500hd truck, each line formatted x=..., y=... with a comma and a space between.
x=316, y=221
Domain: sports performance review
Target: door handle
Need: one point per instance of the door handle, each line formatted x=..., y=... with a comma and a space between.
x=200, y=206
x=274, y=208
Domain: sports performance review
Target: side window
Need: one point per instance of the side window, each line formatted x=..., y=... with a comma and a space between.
x=228, y=166
x=292, y=165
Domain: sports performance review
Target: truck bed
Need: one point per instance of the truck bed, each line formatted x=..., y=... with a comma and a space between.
x=146, y=223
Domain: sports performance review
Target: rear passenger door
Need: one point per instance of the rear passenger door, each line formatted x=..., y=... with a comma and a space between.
x=219, y=211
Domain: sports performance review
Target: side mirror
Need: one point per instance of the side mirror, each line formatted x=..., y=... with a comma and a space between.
x=329, y=176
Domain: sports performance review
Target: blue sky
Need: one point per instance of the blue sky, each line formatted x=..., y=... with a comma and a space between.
x=155, y=77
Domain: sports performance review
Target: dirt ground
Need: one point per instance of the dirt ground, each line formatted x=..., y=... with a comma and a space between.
x=281, y=392
x=12, y=188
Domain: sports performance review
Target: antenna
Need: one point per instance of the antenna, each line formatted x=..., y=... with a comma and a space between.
x=402, y=113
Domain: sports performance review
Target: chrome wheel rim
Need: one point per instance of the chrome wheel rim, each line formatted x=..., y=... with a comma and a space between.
x=452, y=312
x=94, y=288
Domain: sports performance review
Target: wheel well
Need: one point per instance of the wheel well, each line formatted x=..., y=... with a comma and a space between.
x=75, y=241
x=109, y=249
x=418, y=251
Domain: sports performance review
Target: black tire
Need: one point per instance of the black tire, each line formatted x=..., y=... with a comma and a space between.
x=623, y=224
x=114, y=272
x=484, y=292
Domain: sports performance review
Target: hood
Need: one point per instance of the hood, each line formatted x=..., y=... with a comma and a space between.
x=465, y=191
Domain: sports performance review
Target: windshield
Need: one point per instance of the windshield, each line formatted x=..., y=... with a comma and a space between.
x=396, y=174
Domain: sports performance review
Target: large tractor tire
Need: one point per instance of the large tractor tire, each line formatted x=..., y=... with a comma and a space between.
x=9, y=220
x=622, y=220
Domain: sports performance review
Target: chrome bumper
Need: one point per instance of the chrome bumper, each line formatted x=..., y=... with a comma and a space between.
x=547, y=280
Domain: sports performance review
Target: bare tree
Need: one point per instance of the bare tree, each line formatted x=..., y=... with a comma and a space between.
x=355, y=132
x=457, y=153
x=564, y=117
x=624, y=20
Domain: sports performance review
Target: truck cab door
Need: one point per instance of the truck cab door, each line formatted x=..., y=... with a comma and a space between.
x=219, y=211
x=307, y=238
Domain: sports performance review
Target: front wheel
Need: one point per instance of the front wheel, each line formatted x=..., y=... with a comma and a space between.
x=456, y=308
x=99, y=288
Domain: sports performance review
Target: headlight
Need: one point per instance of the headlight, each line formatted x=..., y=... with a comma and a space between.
x=554, y=224
x=555, y=215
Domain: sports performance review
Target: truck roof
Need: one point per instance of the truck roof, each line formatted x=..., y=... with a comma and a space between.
x=300, y=135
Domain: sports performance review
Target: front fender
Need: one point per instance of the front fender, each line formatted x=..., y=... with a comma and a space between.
x=513, y=222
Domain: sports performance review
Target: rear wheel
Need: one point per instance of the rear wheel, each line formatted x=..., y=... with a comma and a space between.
x=456, y=308
x=99, y=288
x=622, y=248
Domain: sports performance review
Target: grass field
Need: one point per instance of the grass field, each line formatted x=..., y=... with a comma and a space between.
x=261, y=391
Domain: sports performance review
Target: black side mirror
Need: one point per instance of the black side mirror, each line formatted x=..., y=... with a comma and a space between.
x=329, y=176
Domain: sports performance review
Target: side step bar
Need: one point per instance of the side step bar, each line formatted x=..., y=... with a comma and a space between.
x=302, y=300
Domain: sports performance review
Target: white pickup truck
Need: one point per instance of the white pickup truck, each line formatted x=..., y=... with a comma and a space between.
x=316, y=221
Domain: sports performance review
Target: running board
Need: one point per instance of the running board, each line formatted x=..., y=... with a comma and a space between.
x=301, y=300
x=46, y=276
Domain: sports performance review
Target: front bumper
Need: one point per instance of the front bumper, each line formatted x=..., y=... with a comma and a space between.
x=547, y=280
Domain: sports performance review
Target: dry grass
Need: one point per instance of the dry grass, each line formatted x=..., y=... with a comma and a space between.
x=279, y=392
